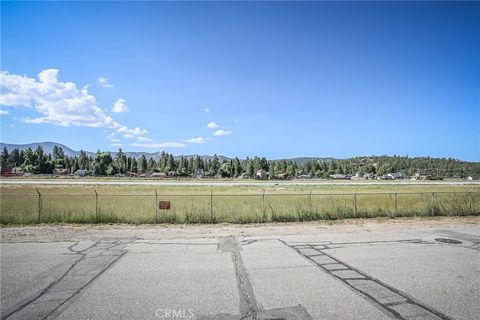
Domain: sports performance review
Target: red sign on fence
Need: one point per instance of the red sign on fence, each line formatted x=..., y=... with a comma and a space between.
x=164, y=205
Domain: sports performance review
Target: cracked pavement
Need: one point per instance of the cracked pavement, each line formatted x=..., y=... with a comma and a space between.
x=396, y=272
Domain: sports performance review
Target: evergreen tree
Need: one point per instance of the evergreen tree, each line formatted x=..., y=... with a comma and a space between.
x=142, y=164
x=4, y=156
x=215, y=165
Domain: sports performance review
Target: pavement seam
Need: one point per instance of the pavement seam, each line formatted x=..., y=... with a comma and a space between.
x=84, y=255
x=386, y=306
x=248, y=303
x=81, y=288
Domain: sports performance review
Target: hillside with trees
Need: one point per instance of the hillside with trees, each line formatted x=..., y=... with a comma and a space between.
x=107, y=164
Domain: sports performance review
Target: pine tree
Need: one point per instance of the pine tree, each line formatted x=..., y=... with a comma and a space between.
x=4, y=156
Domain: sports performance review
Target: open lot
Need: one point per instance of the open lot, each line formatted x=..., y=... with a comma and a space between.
x=369, y=270
x=89, y=201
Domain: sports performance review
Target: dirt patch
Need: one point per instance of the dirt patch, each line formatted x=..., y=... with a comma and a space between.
x=161, y=232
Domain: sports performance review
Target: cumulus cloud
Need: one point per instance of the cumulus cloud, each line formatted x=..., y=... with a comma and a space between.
x=144, y=139
x=116, y=145
x=206, y=110
x=3, y=112
x=159, y=145
x=128, y=136
x=212, y=125
x=104, y=82
x=59, y=103
x=197, y=140
x=135, y=131
x=221, y=133
x=120, y=106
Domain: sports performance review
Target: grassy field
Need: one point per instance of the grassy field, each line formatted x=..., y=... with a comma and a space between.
x=22, y=204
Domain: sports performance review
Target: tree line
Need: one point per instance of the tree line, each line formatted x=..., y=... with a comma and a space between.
x=110, y=164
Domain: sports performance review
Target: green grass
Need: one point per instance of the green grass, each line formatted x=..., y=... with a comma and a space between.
x=236, y=204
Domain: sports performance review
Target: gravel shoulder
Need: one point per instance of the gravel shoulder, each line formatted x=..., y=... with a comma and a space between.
x=59, y=232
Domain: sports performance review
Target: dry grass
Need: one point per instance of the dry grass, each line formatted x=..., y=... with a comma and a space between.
x=232, y=204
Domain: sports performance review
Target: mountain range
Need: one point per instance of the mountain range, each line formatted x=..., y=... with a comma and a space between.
x=48, y=148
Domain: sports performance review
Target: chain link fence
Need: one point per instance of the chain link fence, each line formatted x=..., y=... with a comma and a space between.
x=95, y=207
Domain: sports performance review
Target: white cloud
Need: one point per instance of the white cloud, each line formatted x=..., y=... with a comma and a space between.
x=104, y=82
x=116, y=145
x=120, y=106
x=221, y=133
x=3, y=112
x=235, y=120
x=135, y=131
x=159, y=145
x=206, y=110
x=128, y=136
x=212, y=125
x=59, y=103
x=197, y=140
x=144, y=139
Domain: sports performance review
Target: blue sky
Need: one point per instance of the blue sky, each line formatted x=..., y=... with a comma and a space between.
x=279, y=79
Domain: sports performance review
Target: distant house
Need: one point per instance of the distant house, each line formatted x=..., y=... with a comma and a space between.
x=396, y=176
x=304, y=176
x=81, y=173
x=282, y=176
x=5, y=171
x=368, y=176
x=473, y=177
x=421, y=176
x=158, y=175
x=261, y=174
x=15, y=171
x=60, y=172
x=199, y=173
x=384, y=177
x=244, y=176
x=131, y=174
x=338, y=176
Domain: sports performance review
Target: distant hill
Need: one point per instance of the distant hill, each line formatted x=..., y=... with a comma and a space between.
x=48, y=148
x=302, y=160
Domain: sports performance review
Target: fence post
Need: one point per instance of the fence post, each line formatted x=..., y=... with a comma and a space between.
x=396, y=204
x=310, y=201
x=470, y=201
x=156, y=206
x=433, y=203
x=263, y=205
x=355, y=202
x=96, y=205
x=211, y=206
x=39, y=206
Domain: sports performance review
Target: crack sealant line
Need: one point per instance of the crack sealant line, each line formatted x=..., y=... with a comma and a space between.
x=47, y=289
x=407, y=297
x=248, y=304
x=384, y=306
x=31, y=300
x=85, y=285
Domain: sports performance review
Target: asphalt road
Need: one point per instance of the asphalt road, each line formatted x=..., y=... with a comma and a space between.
x=394, y=272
